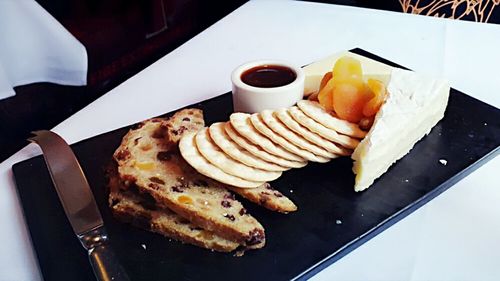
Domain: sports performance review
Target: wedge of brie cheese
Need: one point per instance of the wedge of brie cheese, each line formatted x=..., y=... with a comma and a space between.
x=414, y=105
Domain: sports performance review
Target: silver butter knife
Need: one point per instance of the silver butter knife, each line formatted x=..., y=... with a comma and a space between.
x=79, y=205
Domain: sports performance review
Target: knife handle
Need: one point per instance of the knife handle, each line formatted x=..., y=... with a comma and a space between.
x=102, y=258
x=105, y=264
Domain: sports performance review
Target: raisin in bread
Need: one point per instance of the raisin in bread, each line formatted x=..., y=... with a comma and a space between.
x=190, y=119
x=148, y=158
x=130, y=206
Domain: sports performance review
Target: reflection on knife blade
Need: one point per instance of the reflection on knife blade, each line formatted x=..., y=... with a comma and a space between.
x=79, y=204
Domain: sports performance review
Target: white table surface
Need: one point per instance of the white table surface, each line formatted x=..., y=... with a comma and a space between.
x=454, y=237
x=35, y=47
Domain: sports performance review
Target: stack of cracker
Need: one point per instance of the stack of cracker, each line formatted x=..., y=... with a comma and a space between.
x=251, y=149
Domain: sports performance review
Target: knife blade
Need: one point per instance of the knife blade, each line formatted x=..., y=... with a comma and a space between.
x=79, y=204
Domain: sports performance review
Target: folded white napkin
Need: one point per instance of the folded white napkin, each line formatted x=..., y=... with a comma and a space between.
x=35, y=47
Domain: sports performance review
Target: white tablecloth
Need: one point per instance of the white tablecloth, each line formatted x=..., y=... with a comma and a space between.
x=454, y=237
x=34, y=47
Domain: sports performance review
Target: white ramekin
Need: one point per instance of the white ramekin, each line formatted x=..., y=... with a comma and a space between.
x=252, y=99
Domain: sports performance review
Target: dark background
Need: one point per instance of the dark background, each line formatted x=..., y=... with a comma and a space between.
x=122, y=37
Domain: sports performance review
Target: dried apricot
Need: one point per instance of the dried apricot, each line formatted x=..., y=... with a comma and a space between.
x=349, y=100
x=347, y=67
x=313, y=97
x=366, y=123
x=325, y=80
x=325, y=96
x=379, y=92
x=344, y=91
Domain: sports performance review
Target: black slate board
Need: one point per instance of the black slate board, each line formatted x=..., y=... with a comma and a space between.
x=299, y=244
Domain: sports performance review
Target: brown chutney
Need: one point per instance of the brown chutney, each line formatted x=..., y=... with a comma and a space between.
x=268, y=76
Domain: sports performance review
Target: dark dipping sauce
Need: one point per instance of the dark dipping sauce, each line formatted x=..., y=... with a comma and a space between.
x=268, y=76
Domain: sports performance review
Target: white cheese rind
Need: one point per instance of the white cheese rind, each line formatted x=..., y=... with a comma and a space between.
x=414, y=105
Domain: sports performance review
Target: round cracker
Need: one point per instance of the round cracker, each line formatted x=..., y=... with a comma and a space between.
x=190, y=153
x=319, y=114
x=258, y=151
x=221, y=160
x=257, y=122
x=224, y=142
x=321, y=130
x=293, y=125
x=276, y=125
x=241, y=123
